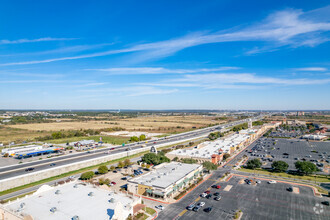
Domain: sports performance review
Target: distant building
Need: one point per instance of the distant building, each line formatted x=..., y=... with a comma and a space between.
x=315, y=137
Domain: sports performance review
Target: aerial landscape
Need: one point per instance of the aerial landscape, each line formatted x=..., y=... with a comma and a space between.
x=144, y=110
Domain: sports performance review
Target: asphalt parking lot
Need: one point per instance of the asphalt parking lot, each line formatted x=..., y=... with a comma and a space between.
x=296, y=149
x=262, y=201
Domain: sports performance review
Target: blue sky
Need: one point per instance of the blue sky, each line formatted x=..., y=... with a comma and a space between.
x=165, y=55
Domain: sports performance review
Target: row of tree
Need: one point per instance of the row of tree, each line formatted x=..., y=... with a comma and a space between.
x=303, y=167
x=136, y=139
x=103, y=169
x=240, y=127
x=215, y=135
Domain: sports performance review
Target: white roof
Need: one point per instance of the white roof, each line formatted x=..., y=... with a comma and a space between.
x=165, y=174
x=206, y=149
x=70, y=202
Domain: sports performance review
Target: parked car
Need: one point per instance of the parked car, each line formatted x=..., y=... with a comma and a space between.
x=191, y=207
x=217, y=198
x=271, y=182
x=207, y=192
x=208, y=209
x=216, y=194
x=201, y=204
x=325, y=203
x=208, y=196
x=203, y=195
x=290, y=189
x=113, y=183
x=258, y=181
x=160, y=207
x=197, y=208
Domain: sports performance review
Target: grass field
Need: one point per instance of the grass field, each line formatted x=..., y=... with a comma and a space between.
x=318, y=178
x=168, y=123
x=156, y=124
x=116, y=140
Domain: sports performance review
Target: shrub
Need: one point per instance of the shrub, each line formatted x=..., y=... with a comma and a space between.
x=102, y=169
x=87, y=175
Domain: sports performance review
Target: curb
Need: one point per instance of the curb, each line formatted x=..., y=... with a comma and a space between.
x=315, y=192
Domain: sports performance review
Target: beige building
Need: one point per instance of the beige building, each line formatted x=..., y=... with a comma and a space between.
x=165, y=180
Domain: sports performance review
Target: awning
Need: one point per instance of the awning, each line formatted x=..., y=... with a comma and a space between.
x=186, y=180
x=195, y=174
x=149, y=190
x=180, y=184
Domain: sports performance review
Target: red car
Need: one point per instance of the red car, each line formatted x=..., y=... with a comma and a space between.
x=218, y=186
x=112, y=148
x=155, y=142
x=207, y=192
x=113, y=183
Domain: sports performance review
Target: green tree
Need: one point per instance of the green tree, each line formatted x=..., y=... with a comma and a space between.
x=102, y=169
x=253, y=164
x=280, y=166
x=226, y=156
x=152, y=158
x=148, y=166
x=143, y=165
x=305, y=167
x=112, y=168
x=120, y=164
x=175, y=159
x=142, y=137
x=87, y=175
x=209, y=166
x=134, y=139
x=212, y=136
x=127, y=162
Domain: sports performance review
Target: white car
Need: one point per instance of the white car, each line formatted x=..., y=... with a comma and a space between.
x=271, y=181
x=258, y=181
x=203, y=195
x=201, y=204
x=160, y=207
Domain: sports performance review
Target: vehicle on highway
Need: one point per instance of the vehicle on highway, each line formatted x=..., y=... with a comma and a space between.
x=271, y=182
x=208, y=209
x=191, y=207
x=29, y=169
x=218, y=198
x=52, y=164
x=159, y=207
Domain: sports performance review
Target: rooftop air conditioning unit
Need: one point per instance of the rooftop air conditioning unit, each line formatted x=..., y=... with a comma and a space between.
x=91, y=194
x=76, y=217
x=53, y=209
x=22, y=205
x=58, y=192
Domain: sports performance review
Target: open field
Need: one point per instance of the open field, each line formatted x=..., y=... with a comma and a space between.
x=8, y=134
x=157, y=123
x=116, y=140
x=151, y=124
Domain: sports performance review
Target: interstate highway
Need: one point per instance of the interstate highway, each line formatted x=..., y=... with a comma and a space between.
x=17, y=170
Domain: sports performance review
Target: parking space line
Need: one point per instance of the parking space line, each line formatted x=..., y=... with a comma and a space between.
x=197, y=199
x=182, y=213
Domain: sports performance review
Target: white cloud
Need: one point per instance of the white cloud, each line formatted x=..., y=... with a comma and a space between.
x=20, y=41
x=158, y=70
x=233, y=81
x=312, y=69
x=293, y=28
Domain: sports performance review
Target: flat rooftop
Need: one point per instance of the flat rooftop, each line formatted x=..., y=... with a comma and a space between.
x=206, y=149
x=73, y=199
x=166, y=174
